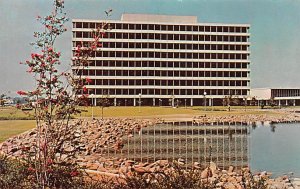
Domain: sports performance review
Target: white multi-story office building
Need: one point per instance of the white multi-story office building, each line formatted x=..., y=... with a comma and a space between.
x=167, y=60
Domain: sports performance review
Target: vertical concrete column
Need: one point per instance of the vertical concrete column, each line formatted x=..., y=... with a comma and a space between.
x=209, y=101
x=279, y=103
x=115, y=101
x=286, y=102
x=294, y=102
x=153, y=101
x=191, y=102
x=134, y=102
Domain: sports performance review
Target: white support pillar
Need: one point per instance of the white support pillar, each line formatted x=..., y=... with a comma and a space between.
x=286, y=102
x=191, y=102
x=134, y=102
x=209, y=102
x=279, y=103
x=153, y=101
x=115, y=101
x=294, y=102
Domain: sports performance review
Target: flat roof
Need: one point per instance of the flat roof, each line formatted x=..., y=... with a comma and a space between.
x=158, y=18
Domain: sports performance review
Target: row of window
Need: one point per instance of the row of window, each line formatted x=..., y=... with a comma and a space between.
x=181, y=55
x=158, y=64
x=162, y=27
x=285, y=92
x=148, y=82
x=179, y=46
x=168, y=92
x=159, y=73
x=157, y=36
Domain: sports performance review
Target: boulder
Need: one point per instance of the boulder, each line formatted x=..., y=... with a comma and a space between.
x=129, y=162
x=206, y=173
x=140, y=170
x=213, y=166
x=92, y=166
x=230, y=169
x=229, y=186
x=197, y=165
x=162, y=162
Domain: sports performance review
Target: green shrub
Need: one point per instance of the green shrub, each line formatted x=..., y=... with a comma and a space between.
x=17, y=174
x=13, y=173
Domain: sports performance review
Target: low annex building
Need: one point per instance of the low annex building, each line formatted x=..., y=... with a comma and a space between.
x=167, y=60
x=277, y=96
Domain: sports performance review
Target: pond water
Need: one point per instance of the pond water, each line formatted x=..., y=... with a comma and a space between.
x=275, y=148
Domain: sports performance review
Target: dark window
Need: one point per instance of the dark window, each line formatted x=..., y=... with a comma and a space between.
x=195, y=28
x=125, y=26
x=78, y=25
x=118, y=26
x=213, y=28
x=85, y=25
x=182, y=28
x=138, y=26
x=138, y=36
x=79, y=34
x=207, y=28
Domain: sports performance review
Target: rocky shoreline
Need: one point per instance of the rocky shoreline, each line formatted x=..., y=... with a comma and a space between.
x=91, y=137
x=249, y=119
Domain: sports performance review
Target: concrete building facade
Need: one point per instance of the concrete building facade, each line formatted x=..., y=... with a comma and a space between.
x=277, y=96
x=167, y=60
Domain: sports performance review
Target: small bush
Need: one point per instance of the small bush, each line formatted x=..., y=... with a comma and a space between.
x=21, y=175
x=13, y=173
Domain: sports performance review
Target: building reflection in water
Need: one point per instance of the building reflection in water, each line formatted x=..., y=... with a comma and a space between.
x=223, y=143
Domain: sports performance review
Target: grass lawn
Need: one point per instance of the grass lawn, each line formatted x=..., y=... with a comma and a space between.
x=148, y=111
x=9, y=128
x=12, y=113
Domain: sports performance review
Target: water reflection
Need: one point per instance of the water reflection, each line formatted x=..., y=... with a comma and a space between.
x=223, y=143
x=254, y=125
x=275, y=148
x=273, y=127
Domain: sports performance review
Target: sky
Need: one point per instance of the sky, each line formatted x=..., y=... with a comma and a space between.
x=275, y=32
